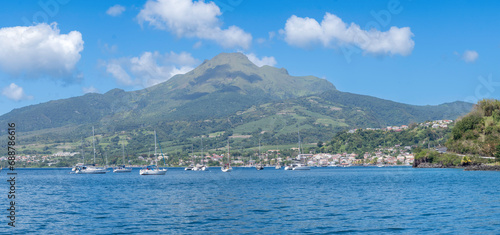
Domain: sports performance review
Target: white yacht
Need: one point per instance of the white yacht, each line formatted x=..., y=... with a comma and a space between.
x=227, y=167
x=84, y=169
x=122, y=168
x=300, y=167
x=154, y=169
x=190, y=167
x=259, y=166
x=90, y=169
x=203, y=167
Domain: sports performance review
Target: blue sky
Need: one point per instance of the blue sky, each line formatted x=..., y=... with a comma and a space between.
x=415, y=52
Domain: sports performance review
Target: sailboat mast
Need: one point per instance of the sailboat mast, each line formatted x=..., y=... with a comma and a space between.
x=228, y=156
x=202, y=154
x=155, y=143
x=259, y=152
x=93, y=142
x=83, y=154
x=298, y=133
x=123, y=153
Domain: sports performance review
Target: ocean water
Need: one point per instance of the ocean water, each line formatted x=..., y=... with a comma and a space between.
x=368, y=200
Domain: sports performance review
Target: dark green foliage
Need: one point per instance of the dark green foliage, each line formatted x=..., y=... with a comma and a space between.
x=363, y=141
x=479, y=131
x=468, y=123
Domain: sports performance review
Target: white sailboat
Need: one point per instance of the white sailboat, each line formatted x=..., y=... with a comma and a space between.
x=259, y=166
x=300, y=166
x=190, y=167
x=91, y=169
x=227, y=167
x=154, y=169
x=203, y=167
x=122, y=168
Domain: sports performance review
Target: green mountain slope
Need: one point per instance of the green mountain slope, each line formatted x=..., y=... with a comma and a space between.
x=227, y=94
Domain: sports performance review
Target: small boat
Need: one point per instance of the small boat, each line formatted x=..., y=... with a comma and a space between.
x=300, y=167
x=84, y=169
x=277, y=167
x=259, y=166
x=122, y=168
x=227, y=167
x=288, y=168
x=191, y=167
x=154, y=169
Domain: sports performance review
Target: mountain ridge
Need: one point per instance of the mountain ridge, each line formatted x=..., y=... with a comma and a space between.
x=233, y=94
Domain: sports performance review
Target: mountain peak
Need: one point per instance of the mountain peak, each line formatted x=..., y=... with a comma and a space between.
x=236, y=58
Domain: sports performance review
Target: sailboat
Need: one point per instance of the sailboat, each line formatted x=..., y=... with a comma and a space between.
x=203, y=167
x=299, y=166
x=122, y=168
x=259, y=166
x=92, y=169
x=83, y=159
x=154, y=169
x=190, y=167
x=227, y=167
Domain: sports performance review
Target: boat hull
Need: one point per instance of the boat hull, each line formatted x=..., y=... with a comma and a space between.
x=96, y=171
x=153, y=172
x=301, y=168
x=125, y=170
x=226, y=169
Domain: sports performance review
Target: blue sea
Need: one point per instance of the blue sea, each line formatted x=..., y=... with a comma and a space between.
x=368, y=200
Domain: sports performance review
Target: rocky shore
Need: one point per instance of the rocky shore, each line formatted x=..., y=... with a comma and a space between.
x=479, y=167
x=483, y=168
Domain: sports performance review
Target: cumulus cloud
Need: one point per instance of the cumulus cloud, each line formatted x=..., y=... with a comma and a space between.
x=198, y=19
x=470, y=56
x=15, y=92
x=90, y=89
x=332, y=32
x=266, y=60
x=39, y=50
x=115, y=10
x=150, y=68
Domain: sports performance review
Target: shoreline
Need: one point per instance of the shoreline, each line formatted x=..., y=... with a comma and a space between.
x=480, y=167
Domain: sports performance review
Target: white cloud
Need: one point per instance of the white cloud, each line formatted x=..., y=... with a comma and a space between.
x=115, y=10
x=90, y=89
x=150, y=68
x=470, y=56
x=266, y=60
x=15, y=92
x=39, y=50
x=332, y=32
x=198, y=19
